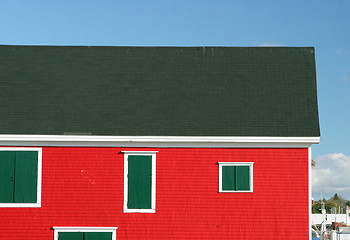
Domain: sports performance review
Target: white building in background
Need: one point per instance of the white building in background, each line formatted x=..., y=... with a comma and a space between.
x=326, y=218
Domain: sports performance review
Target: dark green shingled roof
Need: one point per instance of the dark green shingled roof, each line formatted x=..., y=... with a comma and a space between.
x=158, y=91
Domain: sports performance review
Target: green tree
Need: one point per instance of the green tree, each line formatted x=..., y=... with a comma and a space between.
x=316, y=207
x=334, y=202
x=335, y=197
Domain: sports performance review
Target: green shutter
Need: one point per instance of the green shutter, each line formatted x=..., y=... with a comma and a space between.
x=26, y=177
x=7, y=173
x=235, y=178
x=139, y=182
x=242, y=178
x=97, y=236
x=228, y=178
x=84, y=236
x=70, y=236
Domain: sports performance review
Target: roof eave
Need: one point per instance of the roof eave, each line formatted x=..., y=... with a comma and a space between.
x=156, y=141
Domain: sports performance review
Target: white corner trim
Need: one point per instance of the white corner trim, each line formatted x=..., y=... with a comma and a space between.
x=39, y=179
x=251, y=177
x=310, y=190
x=155, y=141
x=57, y=230
x=153, y=193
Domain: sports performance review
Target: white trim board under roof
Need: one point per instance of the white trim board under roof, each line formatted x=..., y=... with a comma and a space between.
x=156, y=141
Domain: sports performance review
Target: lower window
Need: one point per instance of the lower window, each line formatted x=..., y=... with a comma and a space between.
x=235, y=177
x=85, y=233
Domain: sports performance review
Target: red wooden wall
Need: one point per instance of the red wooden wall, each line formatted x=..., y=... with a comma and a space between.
x=84, y=187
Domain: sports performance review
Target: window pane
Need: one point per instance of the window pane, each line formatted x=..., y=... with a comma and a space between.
x=242, y=178
x=139, y=182
x=98, y=236
x=26, y=177
x=70, y=236
x=228, y=178
x=7, y=173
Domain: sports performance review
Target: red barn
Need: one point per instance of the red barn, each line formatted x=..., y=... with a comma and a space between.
x=106, y=143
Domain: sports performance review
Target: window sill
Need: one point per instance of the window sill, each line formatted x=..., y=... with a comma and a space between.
x=226, y=191
x=20, y=205
x=139, y=211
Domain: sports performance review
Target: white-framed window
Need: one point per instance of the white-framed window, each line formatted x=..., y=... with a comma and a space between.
x=85, y=233
x=235, y=176
x=20, y=177
x=139, y=181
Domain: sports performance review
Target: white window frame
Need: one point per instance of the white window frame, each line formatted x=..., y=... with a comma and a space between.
x=113, y=230
x=38, y=190
x=250, y=164
x=153, y=194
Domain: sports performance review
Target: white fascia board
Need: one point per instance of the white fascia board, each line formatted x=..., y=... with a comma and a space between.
x=155, y=141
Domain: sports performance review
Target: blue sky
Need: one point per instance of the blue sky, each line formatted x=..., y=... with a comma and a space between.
x=320, y=23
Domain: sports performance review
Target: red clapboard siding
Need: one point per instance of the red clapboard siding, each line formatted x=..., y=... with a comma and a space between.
x=85, y=187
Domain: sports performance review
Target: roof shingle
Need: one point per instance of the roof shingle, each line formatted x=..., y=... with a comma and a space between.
x=158, y=91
